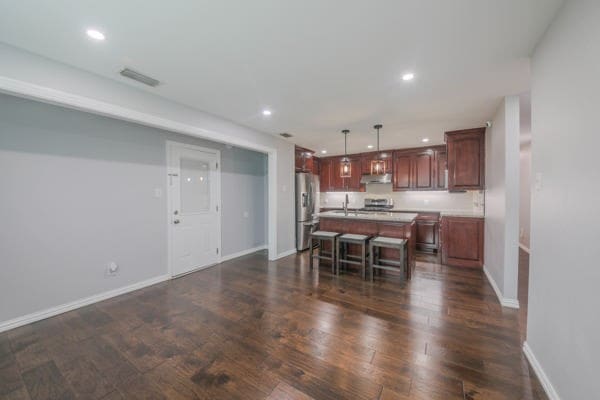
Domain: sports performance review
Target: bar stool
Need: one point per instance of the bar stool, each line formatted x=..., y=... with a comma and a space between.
x=391, y=265
x=322, y=236
x=346, y=258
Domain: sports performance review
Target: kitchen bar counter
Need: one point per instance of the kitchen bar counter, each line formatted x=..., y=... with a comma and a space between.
x=370, y=215
x=396, y=225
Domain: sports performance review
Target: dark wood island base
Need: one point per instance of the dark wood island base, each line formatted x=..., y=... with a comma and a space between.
x=401, y=230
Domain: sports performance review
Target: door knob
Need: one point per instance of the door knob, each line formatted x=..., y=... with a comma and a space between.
x=176, y=221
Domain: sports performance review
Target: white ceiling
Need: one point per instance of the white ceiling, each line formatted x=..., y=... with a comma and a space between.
x=319, y=65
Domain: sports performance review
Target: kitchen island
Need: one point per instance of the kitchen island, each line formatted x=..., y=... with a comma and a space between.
x=396, y=225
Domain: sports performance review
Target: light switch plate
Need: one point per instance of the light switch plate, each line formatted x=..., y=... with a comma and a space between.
x=158, y=193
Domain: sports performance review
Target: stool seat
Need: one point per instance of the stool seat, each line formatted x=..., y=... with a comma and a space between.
x=383, y=240
x=324, y=234
x=354, y=237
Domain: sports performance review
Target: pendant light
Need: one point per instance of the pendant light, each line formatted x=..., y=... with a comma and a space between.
x=345, y=167
x=378, y=164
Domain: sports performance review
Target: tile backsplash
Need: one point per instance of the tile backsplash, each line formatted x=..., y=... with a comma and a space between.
x=472, y=201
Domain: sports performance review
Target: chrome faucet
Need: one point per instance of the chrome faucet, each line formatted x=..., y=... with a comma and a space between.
x=346, y=206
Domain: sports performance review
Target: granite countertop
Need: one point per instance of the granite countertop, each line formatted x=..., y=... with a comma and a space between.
x=443, y=213
x=370, y=216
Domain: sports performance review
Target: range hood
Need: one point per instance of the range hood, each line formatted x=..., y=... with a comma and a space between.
x=369, y=178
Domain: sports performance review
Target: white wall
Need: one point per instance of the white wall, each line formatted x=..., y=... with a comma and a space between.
x=525, y=194
x=77, y=193
x=563, y=327
x=20, y=69
x=502, y=199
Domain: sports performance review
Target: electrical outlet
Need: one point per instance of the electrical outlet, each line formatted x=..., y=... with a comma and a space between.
x=246, y=214
x=112, y=269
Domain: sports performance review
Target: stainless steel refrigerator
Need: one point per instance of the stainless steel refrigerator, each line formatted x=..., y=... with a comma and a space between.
x=307, y=203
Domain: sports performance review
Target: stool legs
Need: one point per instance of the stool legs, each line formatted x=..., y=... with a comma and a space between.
x=336, y=264
x=371, y=257
x=311, y=252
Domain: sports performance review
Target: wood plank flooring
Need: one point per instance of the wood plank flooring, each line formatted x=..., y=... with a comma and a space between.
x=254, y=329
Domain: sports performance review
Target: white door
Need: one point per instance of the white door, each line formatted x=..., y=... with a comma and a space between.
x=194, y=209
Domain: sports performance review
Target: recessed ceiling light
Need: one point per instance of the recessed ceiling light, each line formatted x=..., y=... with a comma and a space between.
x=95, y=34
x=370, y=146
x=323, y=151
x=408, y=76
x=266, y=113
x=425, y=140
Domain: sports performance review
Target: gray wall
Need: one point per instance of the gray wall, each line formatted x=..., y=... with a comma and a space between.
x=77, y=192
x=19, y=70
x=563, y=327
x=502, y=198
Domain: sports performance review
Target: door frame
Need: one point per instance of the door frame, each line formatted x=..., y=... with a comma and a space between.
x=217, y=153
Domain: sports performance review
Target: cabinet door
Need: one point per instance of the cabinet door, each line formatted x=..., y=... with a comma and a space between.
x=423, y=170
x=440, y=170
x=427, y=235
x=316, y=166
x=402, y=179
x=353, y=183
x=462, y=241
x=325, y=175
x=299, y=160
x=466, y=159
x=338, y=184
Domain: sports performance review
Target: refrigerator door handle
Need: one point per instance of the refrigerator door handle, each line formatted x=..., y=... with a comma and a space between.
x=304, y=199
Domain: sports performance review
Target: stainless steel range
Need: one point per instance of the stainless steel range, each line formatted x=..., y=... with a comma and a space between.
x=378, y=205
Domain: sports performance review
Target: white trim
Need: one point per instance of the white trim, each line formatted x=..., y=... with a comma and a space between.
x=286, y=253
x=524, y=248
x=539, y=371
x=52, y=96
x=243, y=253
x=510, y=303
x=50, y=312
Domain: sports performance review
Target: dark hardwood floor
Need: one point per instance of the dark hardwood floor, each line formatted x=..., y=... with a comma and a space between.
x=253, y=329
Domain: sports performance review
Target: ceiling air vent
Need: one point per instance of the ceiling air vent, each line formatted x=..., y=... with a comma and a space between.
x=136, y=76
x=285, y=135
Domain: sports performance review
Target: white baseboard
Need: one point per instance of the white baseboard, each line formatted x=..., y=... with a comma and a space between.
x=524, y=248
x=50, y=312
x=510, y=303
x=537, y=368
x=243, y=253
x=286, y=253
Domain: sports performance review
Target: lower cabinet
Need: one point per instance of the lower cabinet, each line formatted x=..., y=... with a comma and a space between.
x=462, y=241
x=428, y=232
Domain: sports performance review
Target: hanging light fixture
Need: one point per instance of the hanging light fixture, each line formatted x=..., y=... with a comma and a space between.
x=345, y=167
x=378, y=164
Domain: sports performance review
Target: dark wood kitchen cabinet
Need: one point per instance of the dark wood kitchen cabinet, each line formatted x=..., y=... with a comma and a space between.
x=417, y=169
x=367, y=158
x=331, y=179
x=466, y=159
x=402, y=167
x=440, y=168
x=428, y=232
x=325, y=184
x=304, y=159
x=462, y=241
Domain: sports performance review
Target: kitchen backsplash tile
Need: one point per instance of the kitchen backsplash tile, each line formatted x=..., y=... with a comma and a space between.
x=471, y=201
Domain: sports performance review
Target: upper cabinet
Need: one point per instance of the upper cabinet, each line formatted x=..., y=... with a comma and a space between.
x=325, y=183
x=466, y=159
x=304, y=159
x=330, y=178
x=419, y=169
x=367, y=158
